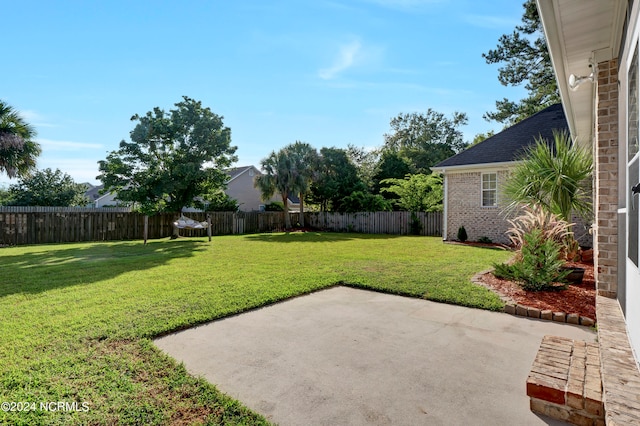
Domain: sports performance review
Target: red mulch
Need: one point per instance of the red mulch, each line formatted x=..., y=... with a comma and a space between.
x=576, y=299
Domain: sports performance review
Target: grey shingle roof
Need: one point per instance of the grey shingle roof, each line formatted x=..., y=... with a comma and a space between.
x=93, y=193
x=236, y=171
x=509, y=144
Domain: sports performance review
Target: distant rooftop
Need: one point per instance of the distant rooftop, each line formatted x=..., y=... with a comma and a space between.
x=234, y=172
x=510, y=144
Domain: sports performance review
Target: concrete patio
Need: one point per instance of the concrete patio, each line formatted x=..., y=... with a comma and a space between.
x=355, y=357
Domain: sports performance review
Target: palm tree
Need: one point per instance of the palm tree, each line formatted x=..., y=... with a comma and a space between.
x=277, y=177
x=18, y=150
x=304, y=159
x=556, y=178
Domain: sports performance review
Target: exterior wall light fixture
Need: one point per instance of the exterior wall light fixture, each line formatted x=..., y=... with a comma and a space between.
x=576, y=80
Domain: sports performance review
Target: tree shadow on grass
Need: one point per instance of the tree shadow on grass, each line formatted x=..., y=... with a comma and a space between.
x=48, y=267
x=320, y=237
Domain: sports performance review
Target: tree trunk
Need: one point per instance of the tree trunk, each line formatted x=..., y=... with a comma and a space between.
x=287, y=219
x=176, y=231
x=301, y=220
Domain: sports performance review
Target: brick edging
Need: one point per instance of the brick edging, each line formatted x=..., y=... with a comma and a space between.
x=620, y=373
x=513, y=308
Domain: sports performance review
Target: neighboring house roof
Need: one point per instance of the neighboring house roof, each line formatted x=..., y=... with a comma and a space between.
x=294, y=199
x=93, y=193
x=237, y=171
x=509, y=144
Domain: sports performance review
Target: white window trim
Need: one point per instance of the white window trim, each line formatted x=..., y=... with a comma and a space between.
x=482, y=190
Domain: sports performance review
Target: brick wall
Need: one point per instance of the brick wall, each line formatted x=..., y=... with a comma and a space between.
x=606, y=182
x=464, y=208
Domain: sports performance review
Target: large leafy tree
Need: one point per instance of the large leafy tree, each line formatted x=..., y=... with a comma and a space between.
x=18, y=150
x=525, y=60
x=336, y=178
x=366, y=162
x=174, y=159
x=425, y=139
x=362, y=201
x=417, y=193
x=481, y=137
x=6, y=198
x=48, y=188
x=390, y=166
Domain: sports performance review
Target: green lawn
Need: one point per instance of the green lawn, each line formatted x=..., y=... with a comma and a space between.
x=76, y=320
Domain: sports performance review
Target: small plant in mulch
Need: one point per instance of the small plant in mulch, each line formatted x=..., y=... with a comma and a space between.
x=462, y=234
x=538, y=238
x=539, y=265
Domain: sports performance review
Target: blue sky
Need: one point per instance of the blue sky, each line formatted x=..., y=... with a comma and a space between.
x=326, y=72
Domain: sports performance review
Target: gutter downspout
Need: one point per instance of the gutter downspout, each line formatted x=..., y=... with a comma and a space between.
x=445, y=207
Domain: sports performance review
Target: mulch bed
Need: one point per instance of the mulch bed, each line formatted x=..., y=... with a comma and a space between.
x=576, y=299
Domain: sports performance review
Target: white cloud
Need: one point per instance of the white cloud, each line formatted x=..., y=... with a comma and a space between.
x=80, y=169
x=68, y=145
x=30, y=115
x=35, y=118
x=348, y=56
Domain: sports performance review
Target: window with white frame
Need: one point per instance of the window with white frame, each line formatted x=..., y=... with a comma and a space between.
x=489, y=189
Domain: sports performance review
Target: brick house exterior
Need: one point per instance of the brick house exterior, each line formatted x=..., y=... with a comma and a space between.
x=606, y=182
x=464, y=206
x=594, y=48
x=473, y=178
x=604, y=115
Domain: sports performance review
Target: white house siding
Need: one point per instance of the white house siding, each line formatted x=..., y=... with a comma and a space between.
x=108, y=200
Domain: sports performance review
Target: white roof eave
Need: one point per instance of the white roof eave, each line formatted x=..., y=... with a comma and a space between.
x=481, y=166
x=580, y=33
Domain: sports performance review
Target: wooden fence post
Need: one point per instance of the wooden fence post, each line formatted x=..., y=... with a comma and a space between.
x=146, y=228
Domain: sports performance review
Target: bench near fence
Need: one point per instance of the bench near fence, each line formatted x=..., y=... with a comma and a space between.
x=40, y=225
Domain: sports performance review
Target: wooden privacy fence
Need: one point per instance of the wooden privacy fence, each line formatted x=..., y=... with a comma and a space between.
x=38, y=225
x=397, y=223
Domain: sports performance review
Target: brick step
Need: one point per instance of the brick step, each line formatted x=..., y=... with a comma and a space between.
x=565, y=383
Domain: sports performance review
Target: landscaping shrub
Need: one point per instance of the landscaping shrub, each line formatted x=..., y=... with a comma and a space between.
x=485, y=240
x=538, y=265
x=462, y=234
x=550, y=225
x=222, y=203
x=275, y=206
